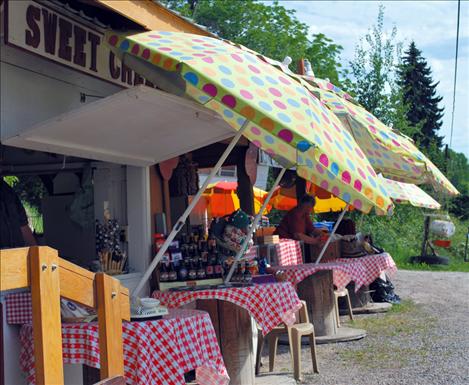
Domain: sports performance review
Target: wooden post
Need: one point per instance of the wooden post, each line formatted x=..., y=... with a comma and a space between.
x=234, y=331
x=245, y=187
x=167, y=204
x=47, y=328
x=110, y=326
x=317, y=290
x=211, y=307
x=236, y=343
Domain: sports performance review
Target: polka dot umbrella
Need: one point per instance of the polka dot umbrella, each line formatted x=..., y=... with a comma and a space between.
x=389, y=152
x=410, y=193
x=278, y=115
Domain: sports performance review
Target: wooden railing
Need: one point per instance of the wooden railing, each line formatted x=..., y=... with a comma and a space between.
x=49, y=278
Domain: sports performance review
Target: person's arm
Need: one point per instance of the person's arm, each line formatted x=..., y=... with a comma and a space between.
x=311, y=240
x=28, y=236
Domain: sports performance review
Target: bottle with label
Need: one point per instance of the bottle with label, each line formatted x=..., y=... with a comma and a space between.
x=201, y=270
x=163, y=272
x=192, y=245
x=192, y=273
x=240, y=272
x=183, y=271
x=217, y=269
x=211, y=242
x=172, y=274
x=247, y=276
x=204, y=252
x=210, y=267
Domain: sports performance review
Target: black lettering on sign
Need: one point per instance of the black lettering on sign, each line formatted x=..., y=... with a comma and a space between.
x=65, y=33
x=33, y=35
x=138, y=79
x=80, y=40
x=50, y=31
x=95, y=40
x=126, y=76
x=114, y=69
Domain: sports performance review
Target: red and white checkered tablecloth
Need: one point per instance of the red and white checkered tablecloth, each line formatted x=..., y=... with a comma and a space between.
x=362, y=271
x=269, y=304
x=374, y=265
x=343, y=273
x=155, y=352
x=288, y=252
x=18, y=308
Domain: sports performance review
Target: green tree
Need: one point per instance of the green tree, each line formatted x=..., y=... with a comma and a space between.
x=419, y=93
x=458, y=171
x=373, y=69
x=271, y=30
x=324, y=56
x=397, y=113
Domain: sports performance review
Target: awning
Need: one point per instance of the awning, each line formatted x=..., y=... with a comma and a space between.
x=140, y=126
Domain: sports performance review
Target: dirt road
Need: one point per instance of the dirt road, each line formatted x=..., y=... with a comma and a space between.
x=425, y=341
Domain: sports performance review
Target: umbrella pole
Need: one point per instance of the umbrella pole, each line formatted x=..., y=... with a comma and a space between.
x=182, y=219
x=253, y=226
x=332, y=233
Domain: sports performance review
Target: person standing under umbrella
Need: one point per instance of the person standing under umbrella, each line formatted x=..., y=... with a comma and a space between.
x=14, y=228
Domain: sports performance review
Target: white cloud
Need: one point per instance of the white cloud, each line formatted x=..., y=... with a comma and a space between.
x=431, y=24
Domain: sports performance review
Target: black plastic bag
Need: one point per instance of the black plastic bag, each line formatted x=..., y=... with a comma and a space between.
x=383, y=291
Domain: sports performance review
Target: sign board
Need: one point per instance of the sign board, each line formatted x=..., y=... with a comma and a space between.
x=49, y=33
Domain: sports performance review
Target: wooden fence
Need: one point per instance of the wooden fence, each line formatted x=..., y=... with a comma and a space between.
x=49, y=278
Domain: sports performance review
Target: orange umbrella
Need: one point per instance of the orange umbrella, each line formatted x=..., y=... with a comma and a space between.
x=285, y=199
x=221, y=198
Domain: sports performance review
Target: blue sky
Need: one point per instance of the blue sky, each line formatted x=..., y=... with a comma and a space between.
x=431, y=24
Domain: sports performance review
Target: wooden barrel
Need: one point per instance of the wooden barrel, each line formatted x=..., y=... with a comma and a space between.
x=318, y=292
x=360, y=298
x=234, y=332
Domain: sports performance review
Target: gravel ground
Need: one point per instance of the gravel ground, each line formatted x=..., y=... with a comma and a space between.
x=425, y=341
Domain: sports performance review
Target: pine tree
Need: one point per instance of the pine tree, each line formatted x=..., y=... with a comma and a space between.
x=419, y=94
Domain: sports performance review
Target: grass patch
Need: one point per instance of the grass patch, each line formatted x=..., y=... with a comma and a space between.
x=406, y=306
x=401, y=235
x=410, y=327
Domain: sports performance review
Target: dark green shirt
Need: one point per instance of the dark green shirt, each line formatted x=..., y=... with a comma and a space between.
x=12, y=218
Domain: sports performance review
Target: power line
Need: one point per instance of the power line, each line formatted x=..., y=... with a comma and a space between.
x=455, y=74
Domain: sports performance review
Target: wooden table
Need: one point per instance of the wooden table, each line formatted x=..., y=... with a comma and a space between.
x=155, y=352
x=374, y=266
x=231, y=310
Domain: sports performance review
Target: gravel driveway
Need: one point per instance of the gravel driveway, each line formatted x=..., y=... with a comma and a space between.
x=425, y=341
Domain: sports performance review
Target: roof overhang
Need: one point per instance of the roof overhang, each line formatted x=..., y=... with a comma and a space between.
x=153, y=16
x=139, y=126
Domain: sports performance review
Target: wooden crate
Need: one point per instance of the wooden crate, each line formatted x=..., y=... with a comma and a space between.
x=201, y=282
x=332, y=252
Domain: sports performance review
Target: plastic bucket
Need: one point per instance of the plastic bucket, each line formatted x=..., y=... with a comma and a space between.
x=442, y=242
x=442, y=228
